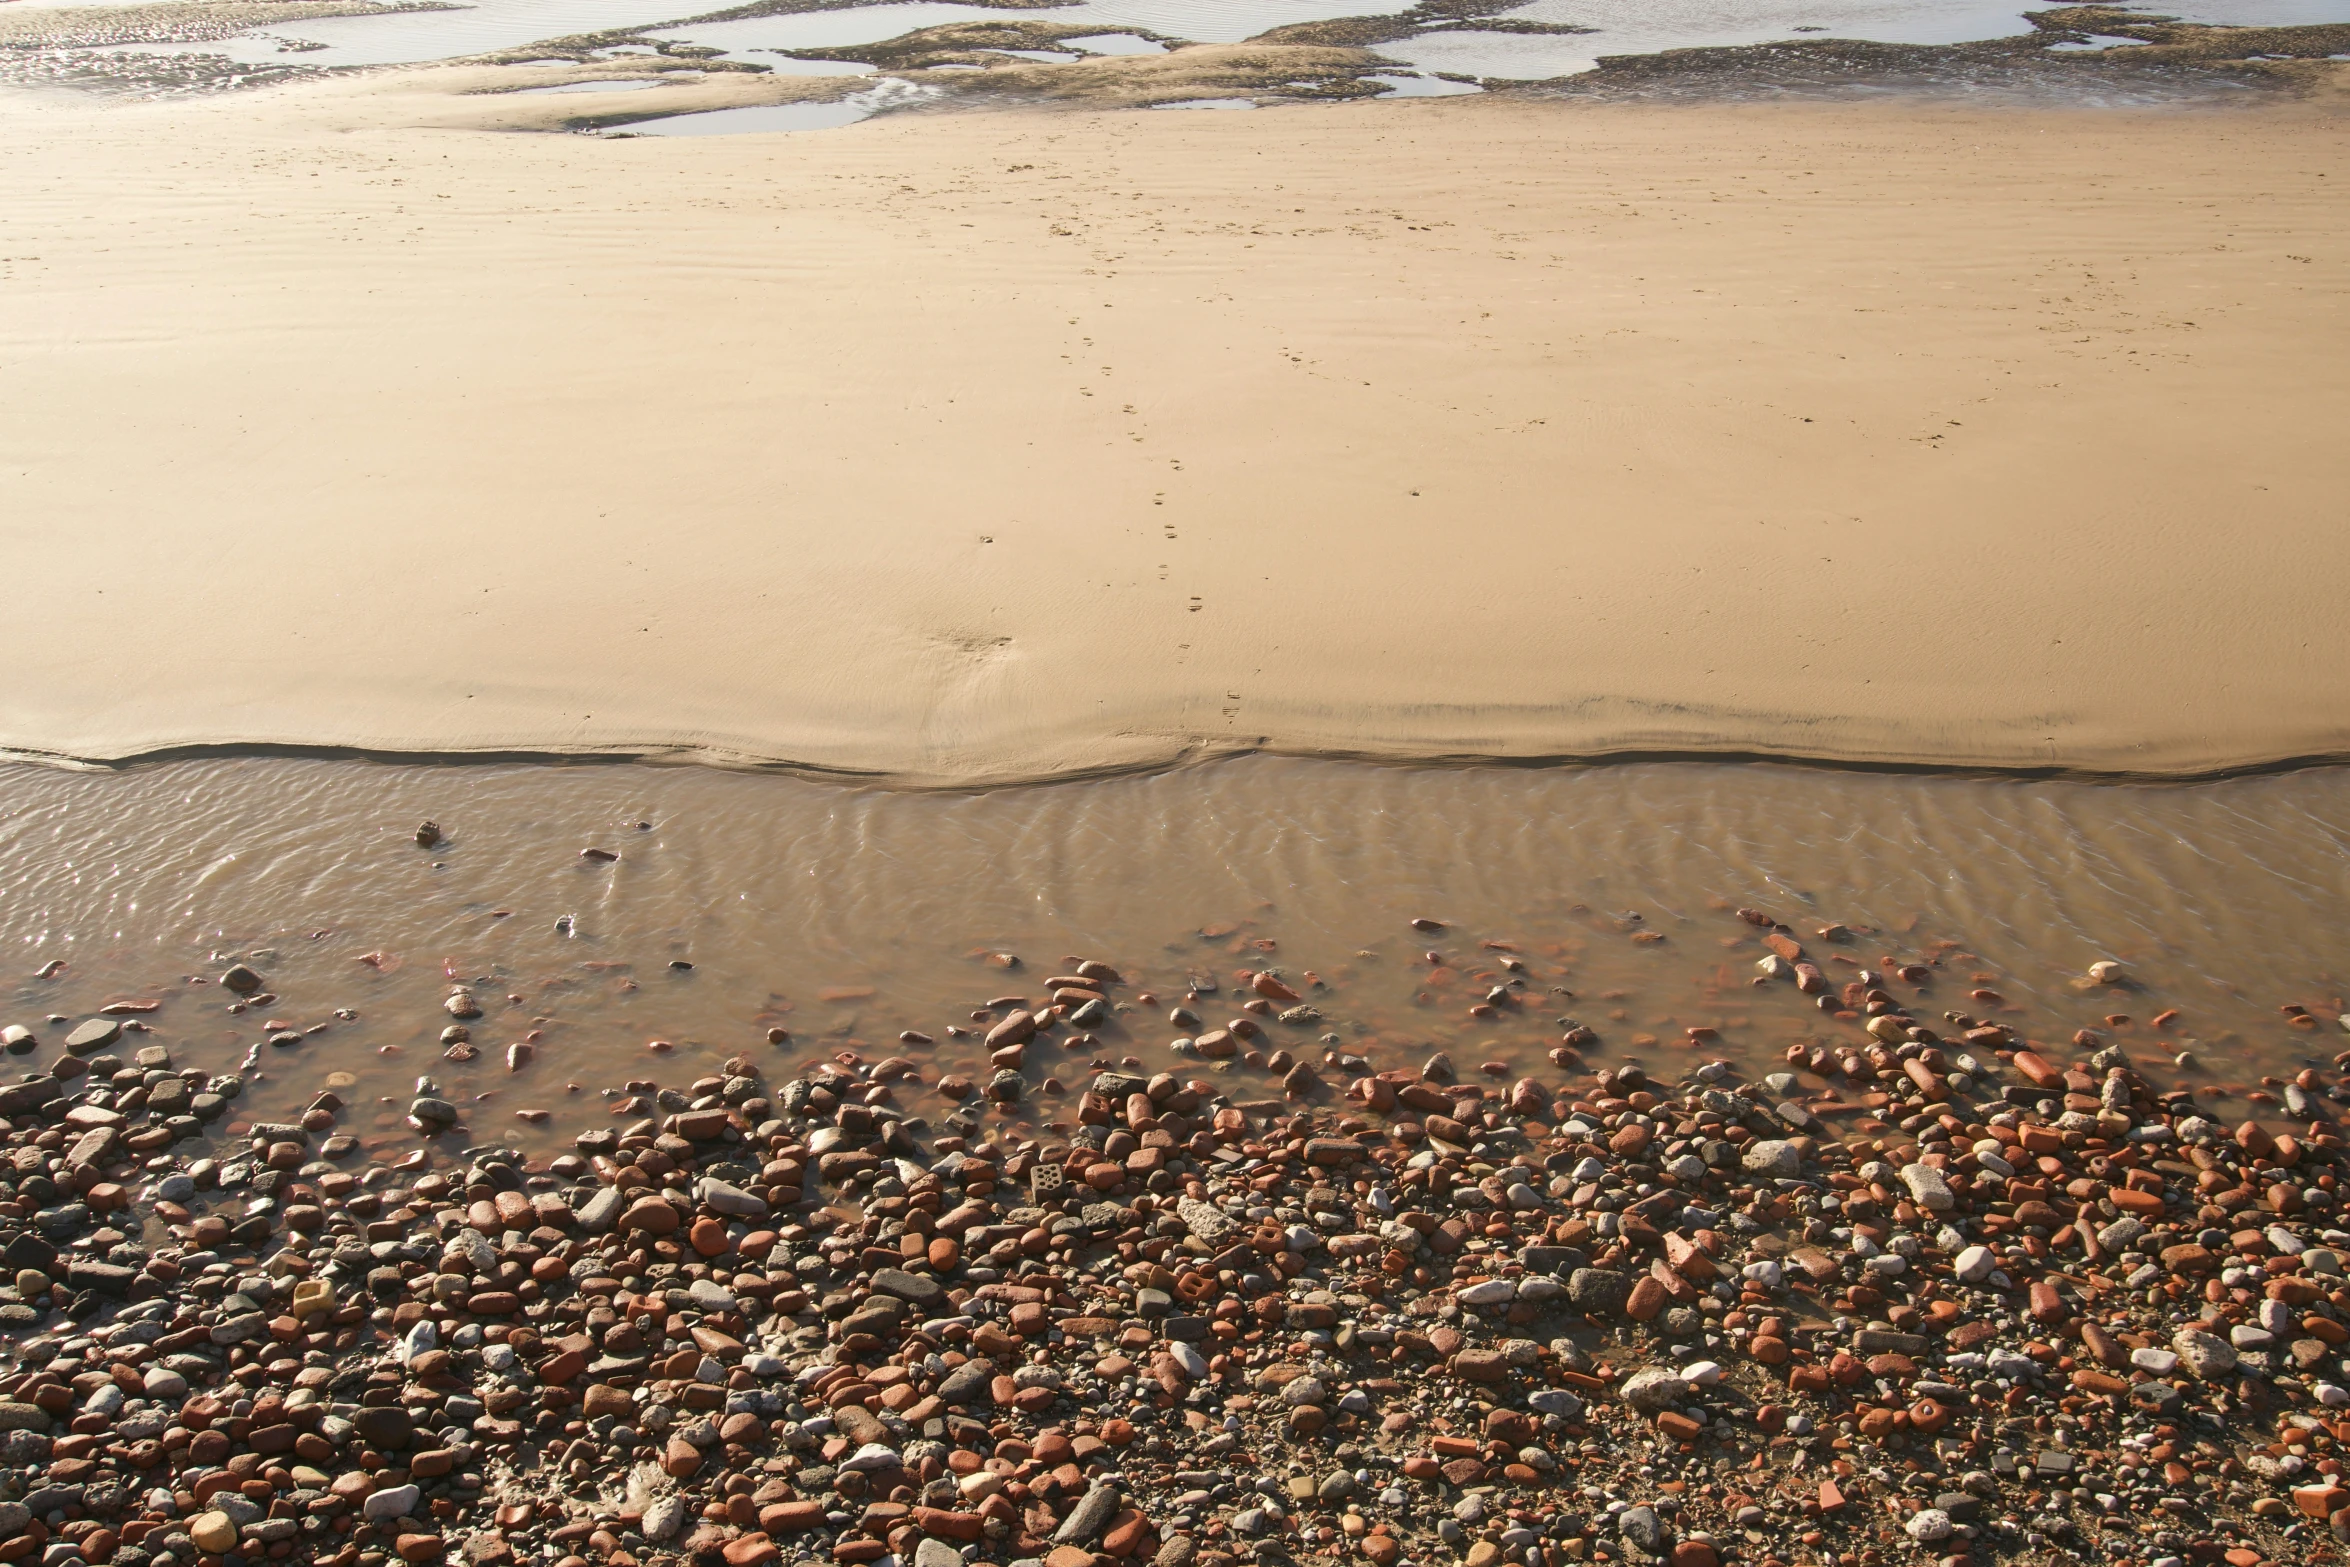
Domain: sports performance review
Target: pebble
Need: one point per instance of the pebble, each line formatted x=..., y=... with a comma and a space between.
x=214, y=1533
x=1928, y=1525
x=1653, y=1389
x=393, y=1502
x=1927, y=1188
x=1608, y=1315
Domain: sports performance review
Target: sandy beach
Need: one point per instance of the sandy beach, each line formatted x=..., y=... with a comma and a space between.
x=970, y=448
x=1285, y=1161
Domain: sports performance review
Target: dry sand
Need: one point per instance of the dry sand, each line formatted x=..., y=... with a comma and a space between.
x=1002, y=445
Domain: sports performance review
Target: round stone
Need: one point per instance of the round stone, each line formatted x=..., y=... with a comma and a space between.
x=213, y=1533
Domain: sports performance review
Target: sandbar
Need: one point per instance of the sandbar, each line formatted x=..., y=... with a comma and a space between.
x=961, y=448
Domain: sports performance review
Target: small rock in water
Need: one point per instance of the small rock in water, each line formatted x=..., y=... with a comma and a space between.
x=431, y=1113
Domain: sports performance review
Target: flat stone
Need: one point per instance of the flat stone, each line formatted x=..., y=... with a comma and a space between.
x=708, y=1295
x=384, y=1426
x=94, y=1034
x=239, y=1329
x=651, y=1215
x=27, y=1250
x=664, y=1516
x=1598, y=1292
x=1771, y=1156
x=601, y=1398
x=731, y=1200
x=599, y=1213
x=1643, y=1528
x=1653, y=1389
x=967, y=1382
x=911, y=1288
x=1883, y=1341
x=2205, y=1356
x=1089, y=1517
x=1205, y=1220
x=1929, y=1190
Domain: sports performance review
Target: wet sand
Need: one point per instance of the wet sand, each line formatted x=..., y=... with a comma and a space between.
x=1025, y=444
x=1599, y=897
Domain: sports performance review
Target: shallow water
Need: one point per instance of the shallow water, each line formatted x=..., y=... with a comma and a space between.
x=413, y=37
x=1402, y=84
x=1200, y=21
x=2255, y=13
x=1642, y=27
x=786, y=65
x=828, y=29
x=1219, y=21
x=845, y=915
x=1620, y=27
